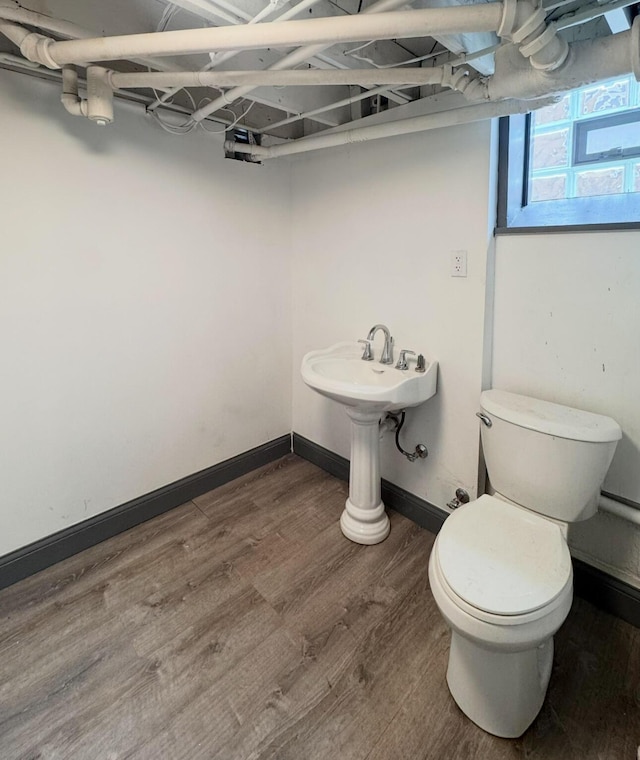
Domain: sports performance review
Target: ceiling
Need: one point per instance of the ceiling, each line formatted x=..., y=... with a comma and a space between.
x=278, y=112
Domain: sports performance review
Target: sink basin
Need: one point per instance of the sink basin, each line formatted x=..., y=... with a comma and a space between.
x=367, y=389
x=339, y=373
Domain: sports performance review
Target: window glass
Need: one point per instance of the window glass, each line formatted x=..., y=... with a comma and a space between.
x=574, y=164
x=554, y=144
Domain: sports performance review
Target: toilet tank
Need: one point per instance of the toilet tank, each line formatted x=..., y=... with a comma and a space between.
x=549, y=458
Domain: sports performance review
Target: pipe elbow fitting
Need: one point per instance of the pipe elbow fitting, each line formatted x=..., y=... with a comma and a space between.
x=73, y=104
x=36, y=47
x=477, y=90
x=461, y=81
x=524, y=24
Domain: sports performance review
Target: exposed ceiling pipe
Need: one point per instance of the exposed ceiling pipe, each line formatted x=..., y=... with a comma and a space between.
x=524, y=24
x=18, y=60
x=585, y=62
x=464, y=115
x=60, y=28
x=70, y=98
x=588, y=61
x=15, y=33
x=49, y=24
x=326, y=31
x=459, y=61
x=287, y=78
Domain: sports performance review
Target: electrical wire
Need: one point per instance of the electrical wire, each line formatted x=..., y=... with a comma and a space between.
x=233, y=123
x=174, y=129
x=418, y=59
x=169, y=12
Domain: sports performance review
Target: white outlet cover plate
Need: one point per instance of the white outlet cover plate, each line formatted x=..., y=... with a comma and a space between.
x=458, y=263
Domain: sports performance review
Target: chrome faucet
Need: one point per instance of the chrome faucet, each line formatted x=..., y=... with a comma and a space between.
x=387, y=351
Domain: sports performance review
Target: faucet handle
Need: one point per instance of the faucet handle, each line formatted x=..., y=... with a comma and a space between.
x=421, y=364
x=402, y=359
x=367, y=356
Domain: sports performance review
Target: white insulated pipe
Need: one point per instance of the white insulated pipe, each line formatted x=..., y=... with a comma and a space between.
x=327, y=31
x=57, y=26
x=619, y=509
x=15, y=33
x=70, y=98
x=272, y=78
x=587, y=62
x=464, y=115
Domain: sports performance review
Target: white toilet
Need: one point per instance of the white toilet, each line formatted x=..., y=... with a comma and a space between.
x=500, y=569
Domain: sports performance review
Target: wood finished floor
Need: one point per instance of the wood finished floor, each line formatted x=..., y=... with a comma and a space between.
x=243, y=625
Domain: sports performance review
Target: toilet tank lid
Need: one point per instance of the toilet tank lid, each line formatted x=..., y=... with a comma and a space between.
x=549, y=418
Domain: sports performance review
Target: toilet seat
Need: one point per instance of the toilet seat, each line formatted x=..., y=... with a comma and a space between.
x=501, y=564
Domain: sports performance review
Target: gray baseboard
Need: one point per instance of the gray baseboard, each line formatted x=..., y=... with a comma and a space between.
x=47, y=551
x=590, y=583
x=420, y=511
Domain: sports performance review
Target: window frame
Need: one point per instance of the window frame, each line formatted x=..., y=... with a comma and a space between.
x=516, y=215
x=582, y=129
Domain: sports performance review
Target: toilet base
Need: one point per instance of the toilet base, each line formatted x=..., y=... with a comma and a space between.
x=502, y=692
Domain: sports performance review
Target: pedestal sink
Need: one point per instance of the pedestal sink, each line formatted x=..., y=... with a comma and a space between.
x=367, y=389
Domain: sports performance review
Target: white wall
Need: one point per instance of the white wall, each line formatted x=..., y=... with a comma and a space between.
x=373, y=227
x=146, y=315
x=567, y=320
x=144, y=309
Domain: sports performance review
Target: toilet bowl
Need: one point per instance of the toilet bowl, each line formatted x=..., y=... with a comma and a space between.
x=502, y=626
x=500, y=569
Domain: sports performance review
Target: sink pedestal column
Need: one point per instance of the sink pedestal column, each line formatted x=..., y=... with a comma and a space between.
x=364, y=519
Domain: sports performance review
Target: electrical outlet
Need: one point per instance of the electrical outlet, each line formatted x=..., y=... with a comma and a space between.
x=458, y=263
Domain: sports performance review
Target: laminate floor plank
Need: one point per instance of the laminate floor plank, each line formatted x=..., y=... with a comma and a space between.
x=371, y=684
x=33, y=593
x=244, y=626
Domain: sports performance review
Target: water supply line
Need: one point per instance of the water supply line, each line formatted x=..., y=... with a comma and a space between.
x=395, y=421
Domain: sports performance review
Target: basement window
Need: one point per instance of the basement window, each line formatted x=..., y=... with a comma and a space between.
x=574, y=164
